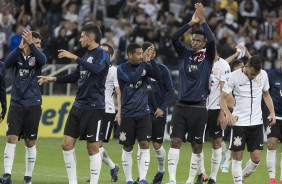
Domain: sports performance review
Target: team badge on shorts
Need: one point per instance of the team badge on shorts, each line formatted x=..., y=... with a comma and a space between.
x=237, y=141
x=122, y=136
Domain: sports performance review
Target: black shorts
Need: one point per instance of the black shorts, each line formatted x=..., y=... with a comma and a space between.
x=227, y=133
x=275, y=130
x=191, y=119
x=250, y=135
x=139, y=127
x=158, y=128
x=24, y=121
x=107, y=126
x=84, y=123
x=212, y=125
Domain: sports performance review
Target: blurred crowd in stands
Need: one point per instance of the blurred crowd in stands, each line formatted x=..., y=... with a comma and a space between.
x=256, y=23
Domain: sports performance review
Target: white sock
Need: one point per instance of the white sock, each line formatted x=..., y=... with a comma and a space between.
x=194, y=166
x=281, y=168
x=161, y=154
x=9, y=155
x=126, y=160
x=223, y=147
x=215, y=162
x=202, y=164
x=30, y=158
x=144, y=163
x=237, y=171
x=172, y=160
x=138, y=158
x=95, y=167
x=227, y=160
x=106, y=159
x=70, y=163
x=271, y=162
x=249, y=169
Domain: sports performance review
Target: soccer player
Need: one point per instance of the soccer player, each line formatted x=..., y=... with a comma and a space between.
x=84, y=120
x=24, y=113
x=190, y=113
x=3, y=99
x=220, y=71
x=226, y=156
x=274, y=132
x=160, y=94
x=133, y=78
x=111, y=88
x=248, y=84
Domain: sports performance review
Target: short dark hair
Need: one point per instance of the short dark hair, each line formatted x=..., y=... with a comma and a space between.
x=201, y=32
x=90, y=27
x=36, y=35
x=235, y=63
x=131, y=48
x=146, y=45
x=110, y=48
x=255, y=62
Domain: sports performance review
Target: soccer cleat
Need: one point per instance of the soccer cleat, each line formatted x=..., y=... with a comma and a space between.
x=143, y=182
x=225, y=169
x=201, y=178
x=158, y=178
x=6, y=178
x=27, y=180
x=280, y=181
x=211, y=181
x=88, y=180
x=171, y=182
x=272, y=181
x=129, y=182
x=136, y=181
x=114, y=173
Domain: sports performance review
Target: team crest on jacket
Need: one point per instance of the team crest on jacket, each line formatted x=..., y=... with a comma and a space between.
x=237, y=141
x=31, y=61
x=89, y=60
x=122, y=136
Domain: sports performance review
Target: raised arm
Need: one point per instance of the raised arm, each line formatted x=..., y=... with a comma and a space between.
x=40, y=57
x=71, y=78
x=95, y=68
x=11, y=58
x=133, y=77
x=175, y=37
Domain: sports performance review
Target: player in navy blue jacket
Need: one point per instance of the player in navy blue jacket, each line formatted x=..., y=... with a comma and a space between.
x=2, y=91
x=190, y=113
x=24, y=114
x=135, y=113
x=84, y=120
x=160, y=94
x=274, y=132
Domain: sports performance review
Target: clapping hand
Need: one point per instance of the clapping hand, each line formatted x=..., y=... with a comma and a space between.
x=200, y=12
x=63, y=53
x=148, y=54
x=46, y=79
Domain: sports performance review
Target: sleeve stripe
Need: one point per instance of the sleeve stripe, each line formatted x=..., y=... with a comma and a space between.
x=122, y=72
x=103, y=58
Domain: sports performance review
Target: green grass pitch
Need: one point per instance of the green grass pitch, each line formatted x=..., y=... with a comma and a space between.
x=50, y=169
